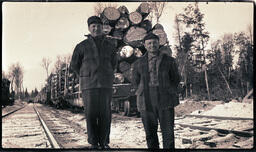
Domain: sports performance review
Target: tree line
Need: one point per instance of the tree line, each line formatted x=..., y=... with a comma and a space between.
x=15, y=74
x=222, y=72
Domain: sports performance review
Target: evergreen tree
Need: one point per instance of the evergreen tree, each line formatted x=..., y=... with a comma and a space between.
x=35, y=92
x=192, y=20
x=32, y=94
x=26, y=94
x=245, y=61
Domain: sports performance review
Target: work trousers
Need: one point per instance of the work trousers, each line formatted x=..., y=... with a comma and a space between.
x=150, y=121
x=97, y=103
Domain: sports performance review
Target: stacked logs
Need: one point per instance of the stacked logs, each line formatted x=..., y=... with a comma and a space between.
x=129, y=29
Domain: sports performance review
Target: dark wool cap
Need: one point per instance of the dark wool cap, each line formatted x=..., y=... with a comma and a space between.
x=94, y=19
x=150, y=36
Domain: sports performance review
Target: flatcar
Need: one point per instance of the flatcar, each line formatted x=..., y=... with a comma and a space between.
x=62, y=90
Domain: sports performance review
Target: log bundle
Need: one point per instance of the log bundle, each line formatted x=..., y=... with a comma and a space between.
x=129, y=30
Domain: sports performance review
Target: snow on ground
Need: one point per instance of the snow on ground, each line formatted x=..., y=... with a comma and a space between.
x=231, y=109
x=128, y=132
x=188, y=106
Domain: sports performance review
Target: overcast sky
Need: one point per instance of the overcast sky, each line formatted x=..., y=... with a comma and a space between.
x=32, y=31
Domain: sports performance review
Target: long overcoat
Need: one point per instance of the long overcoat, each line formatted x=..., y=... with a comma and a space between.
x=168, y=77
x=95, y=64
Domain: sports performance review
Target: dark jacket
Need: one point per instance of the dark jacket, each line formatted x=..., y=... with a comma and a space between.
x=168, y=77
x=94, y=64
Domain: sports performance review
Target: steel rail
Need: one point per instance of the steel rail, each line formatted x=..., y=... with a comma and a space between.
x=225, y=131
x=51, y=138
x=13, y=111
x=219, y=117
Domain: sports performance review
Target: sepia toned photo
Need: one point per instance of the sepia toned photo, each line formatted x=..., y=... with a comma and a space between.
x=127, y=75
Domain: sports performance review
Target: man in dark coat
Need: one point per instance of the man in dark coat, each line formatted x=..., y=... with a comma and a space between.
x=94, y=61
x=156, y=77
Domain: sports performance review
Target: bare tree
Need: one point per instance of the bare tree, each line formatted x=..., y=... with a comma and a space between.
x=178, y=31
x=156, y=10
x=11, y=75
x=16, y=74
x=67, y=58
x=62, y=61
x=58, y=63
x=98, y=8
x=45, y=64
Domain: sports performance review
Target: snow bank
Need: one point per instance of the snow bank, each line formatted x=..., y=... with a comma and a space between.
x=231, y=109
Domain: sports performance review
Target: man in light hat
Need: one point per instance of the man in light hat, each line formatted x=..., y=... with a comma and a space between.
x=156, y=78
x=94, y=61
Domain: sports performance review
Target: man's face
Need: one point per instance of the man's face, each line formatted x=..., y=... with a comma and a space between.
x=96, y=29
x=152, y=45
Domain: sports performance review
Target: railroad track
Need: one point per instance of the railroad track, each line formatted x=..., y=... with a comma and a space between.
x=62, y=132
x=191, y=131
x=51, y=139
x=21, y=129
x=39, y=127
x=198, y=131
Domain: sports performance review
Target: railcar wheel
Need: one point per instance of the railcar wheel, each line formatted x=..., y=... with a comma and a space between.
x=127, y=108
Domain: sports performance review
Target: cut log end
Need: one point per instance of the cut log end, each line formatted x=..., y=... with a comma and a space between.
x=134, y=36
x=135, y=17
x=111, y=13
x=126, y=51
x=118, y=78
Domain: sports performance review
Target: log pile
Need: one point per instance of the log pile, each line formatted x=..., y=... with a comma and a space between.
x=129, y=29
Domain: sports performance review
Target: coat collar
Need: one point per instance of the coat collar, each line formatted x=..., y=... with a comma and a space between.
x=89, y=36
x=95, y=49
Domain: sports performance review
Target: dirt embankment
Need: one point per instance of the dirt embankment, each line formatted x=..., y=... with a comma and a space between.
x=17, y=104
